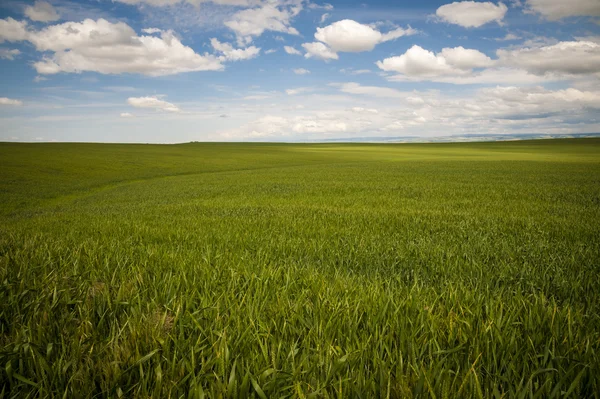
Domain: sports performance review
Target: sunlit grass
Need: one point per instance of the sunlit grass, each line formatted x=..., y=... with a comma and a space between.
x=248, y=270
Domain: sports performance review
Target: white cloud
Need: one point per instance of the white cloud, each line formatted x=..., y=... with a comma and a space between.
x=417, y=61
x=320, y=51
x=301, y=71
x=350, y=36
x=256, y=97
x=397, y=33
x=557, y=9
x=126, y=115
x=253, y=22
x=108, y=48
x=270, y=126
x=486, y=76
x=162, y=3
x=325, y=6
x=291, y=50
x=538, y=96
x=471, y=14
x=41, y=11
x=10, y=101
x=527, y=65
x=12, y=31
x=9, y=54
x=306, y=125
x=299, y=90
x=325, y=17
x=151, y=31
x=373, y=91
x=271, y=51
x=265, y=126
x=364, y=110
x=231, y=54
x=463, y=58
x=576, y=58
x=507, y=38
x=152, y=103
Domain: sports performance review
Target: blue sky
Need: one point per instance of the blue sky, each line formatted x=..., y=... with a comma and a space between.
x=170, y=71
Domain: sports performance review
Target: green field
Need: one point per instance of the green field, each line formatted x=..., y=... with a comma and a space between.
x=290, y=270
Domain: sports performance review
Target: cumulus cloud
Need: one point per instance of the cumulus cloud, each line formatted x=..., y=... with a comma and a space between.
x=301, y=71
x=526, y=65
x=350, y=36
x=253, y=22
x=557, y=9
x=471, y=14
x=231, y=54
x=419, y=62
x=463, y=58
x=8, y=54
x=13, y=31
x=41, y=11
x=108, y=48
x=126, y=115
x=152, y=103
x=10, y=101
x=576, y=58
x=320, y=51
x=291, y=50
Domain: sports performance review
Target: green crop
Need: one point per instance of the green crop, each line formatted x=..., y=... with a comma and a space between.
x=290, y=270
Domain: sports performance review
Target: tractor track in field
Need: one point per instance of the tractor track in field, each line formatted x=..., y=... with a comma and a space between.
x=41, y=208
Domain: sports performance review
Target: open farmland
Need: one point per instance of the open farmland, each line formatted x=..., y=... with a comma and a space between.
x=293, y=270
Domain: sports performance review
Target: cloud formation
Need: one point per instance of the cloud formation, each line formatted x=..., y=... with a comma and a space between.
x=10, y=101
x=108, y=48
x=419, y=62
x=353, y=37
x=320, y=51
x=557, y=9
x=574, y=57
x=152, y=103
x=231, y=54
x=253, y=22
x=42, y=11
x=471, y=14
x=9, y=54
x=514, y=65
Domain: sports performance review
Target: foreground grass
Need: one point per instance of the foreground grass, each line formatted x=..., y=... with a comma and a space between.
x=240, y=270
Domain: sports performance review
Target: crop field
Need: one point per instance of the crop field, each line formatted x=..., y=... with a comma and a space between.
x=300, y=270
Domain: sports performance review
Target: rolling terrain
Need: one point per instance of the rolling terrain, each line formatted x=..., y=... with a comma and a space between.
x=300, y=270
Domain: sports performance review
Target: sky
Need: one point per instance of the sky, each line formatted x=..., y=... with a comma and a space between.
x=171, y=71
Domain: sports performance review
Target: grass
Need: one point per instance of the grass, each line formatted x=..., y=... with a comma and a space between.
x=279, y=270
